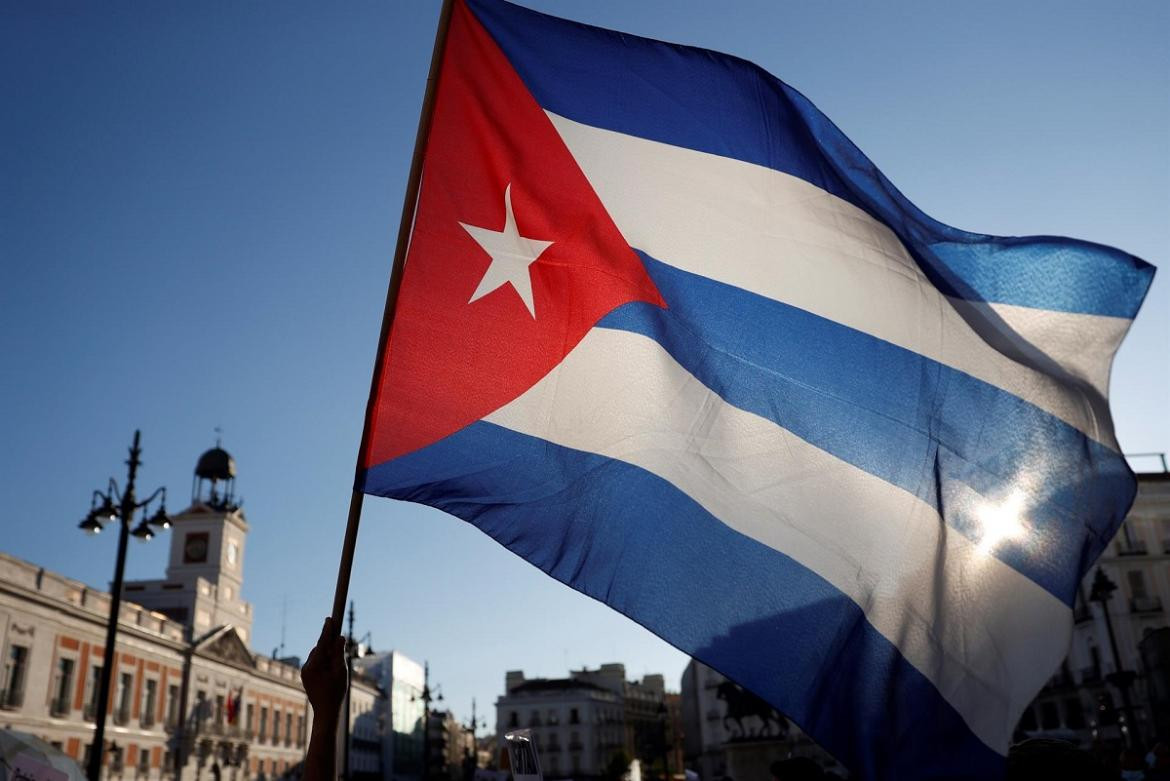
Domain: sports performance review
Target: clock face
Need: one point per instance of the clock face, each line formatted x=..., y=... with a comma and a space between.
x=233, y=553
x=195, y=548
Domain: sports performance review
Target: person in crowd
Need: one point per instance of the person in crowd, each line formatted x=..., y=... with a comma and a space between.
x=796, y=769
x=1040, y=758
x=1159, y=763
x=1133, y=765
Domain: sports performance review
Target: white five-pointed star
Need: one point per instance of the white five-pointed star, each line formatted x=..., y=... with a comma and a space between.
x=511, y=255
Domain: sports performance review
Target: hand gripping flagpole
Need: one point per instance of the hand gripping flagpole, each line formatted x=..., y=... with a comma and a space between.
x=409, y=201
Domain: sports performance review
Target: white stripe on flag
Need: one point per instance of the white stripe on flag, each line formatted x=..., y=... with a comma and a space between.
x=779, y=236
x=986, y=636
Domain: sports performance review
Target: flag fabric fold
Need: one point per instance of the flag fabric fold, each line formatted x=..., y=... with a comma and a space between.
x=666, y=333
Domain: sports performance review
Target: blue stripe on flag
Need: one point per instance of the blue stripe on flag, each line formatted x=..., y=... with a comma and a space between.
x=632, y=540
x=716, y=103
x=920, y=425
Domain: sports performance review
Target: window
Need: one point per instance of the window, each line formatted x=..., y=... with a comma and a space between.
x=300, y=729
x=62, y=688
x=263, y=724
x=15, y=670
x=1049, y=715
x=125, y=690
x=1137, y=584
x=149, y=703
x=249, y=714
x=513, y=719
x=1074, y=713
x=288, y=728
x=574, y=717
x=200, y=708
x=92, y=686
x=172, y=706
x=275, y=726
x=219, y=710
x=553, y=717
x=143, y=760
x=1028, y=720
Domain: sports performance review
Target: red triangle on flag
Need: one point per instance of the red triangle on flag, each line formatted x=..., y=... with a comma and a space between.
x=464, y=340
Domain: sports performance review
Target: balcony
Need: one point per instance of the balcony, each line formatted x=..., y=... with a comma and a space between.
x=59, y=707
x=1146, y=605
x=89, y=711
x=122, y=716
x=1131, y=548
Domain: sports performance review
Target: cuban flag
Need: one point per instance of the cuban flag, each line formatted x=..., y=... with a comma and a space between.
x=666, y=333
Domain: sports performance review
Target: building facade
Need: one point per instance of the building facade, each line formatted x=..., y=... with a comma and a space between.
x=400, y=712
x=1083, y=700
x=587, y=724
x=452, y=749
x=189, y=699
x=367, y=728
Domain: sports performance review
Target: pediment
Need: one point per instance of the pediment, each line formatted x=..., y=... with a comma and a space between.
x=226, y=645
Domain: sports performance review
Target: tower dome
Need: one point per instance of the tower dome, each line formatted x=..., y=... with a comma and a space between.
x=216, y=464
x=214, y=484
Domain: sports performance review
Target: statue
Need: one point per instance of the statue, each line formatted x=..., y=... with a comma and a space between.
x=742, y=704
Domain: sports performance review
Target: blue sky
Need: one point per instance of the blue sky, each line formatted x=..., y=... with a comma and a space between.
x=198, y=205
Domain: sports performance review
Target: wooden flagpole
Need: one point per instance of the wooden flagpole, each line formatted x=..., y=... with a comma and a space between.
x=409, y=201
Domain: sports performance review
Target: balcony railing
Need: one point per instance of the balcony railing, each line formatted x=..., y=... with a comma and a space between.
x=59, y=706
x=1146, y=604
x=147, y=720
x=11, y=700
x=122, y=716
x=222, y=729
x=89, y=711
x=1131, y=548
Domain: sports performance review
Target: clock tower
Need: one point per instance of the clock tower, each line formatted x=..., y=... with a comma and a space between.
x=205, y=573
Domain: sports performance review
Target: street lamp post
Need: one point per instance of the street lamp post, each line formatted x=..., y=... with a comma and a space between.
x=664, y=717
x=472, y=760
x=121, y=506
x=351, y=652
x=1102, y=591
x=426, y=701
